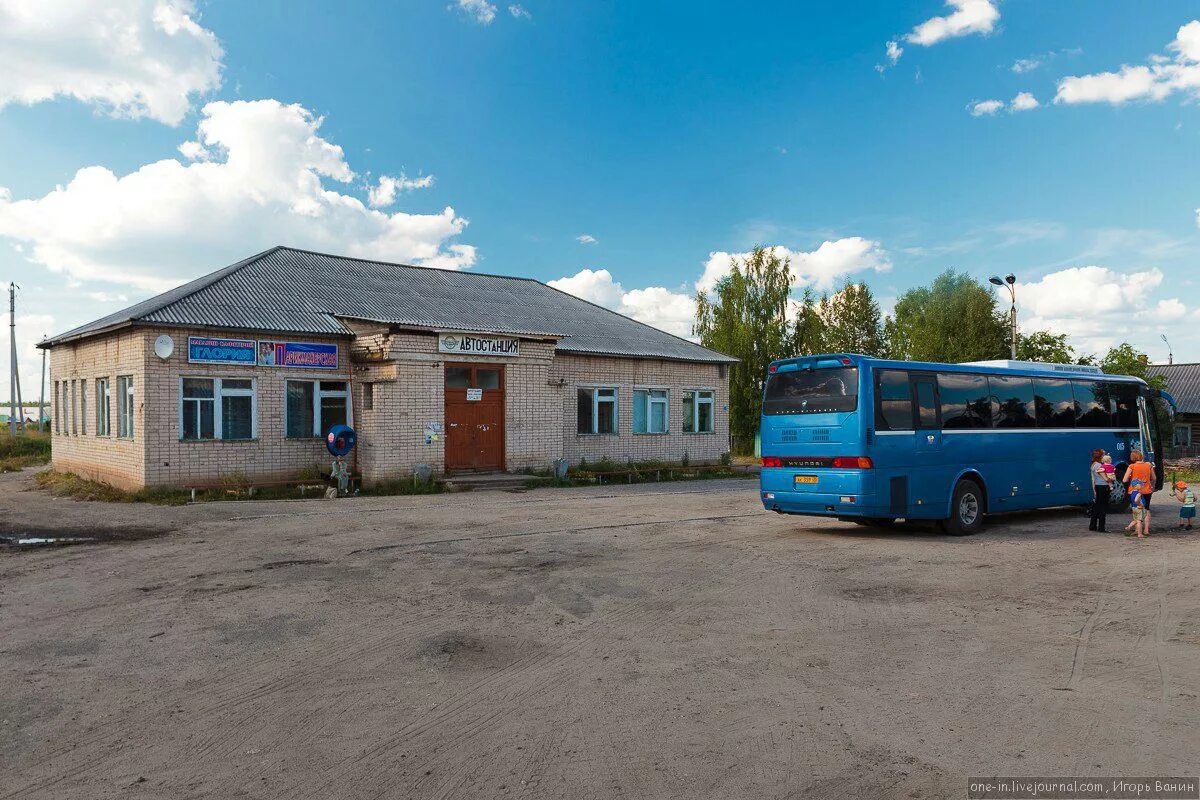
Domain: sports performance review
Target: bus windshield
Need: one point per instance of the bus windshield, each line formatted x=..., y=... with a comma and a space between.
x=812, y=391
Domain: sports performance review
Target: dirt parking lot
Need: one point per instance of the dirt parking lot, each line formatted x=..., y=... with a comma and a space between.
x=656, y=641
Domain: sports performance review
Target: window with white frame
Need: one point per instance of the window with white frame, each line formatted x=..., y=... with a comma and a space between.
x=102, y=407
x=698, y=411
x=217, y=408
x=597, y=409
x=73, y=410
x=58, y=409
x=125, y=406
x=313, y=407
x=83, y=407
x=650, y=411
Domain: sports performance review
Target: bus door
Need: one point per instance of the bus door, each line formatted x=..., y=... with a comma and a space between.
x=1155, y=416
x=927, y=493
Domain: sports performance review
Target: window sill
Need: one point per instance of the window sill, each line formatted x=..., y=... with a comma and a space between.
x=699, y=433
x=597, y=435
x=210, y=441
x=651, y=433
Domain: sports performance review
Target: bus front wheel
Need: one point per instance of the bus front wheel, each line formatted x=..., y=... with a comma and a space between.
x=966, y=510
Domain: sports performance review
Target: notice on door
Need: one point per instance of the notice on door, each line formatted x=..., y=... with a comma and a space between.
x=474, y=394
x=471, y=345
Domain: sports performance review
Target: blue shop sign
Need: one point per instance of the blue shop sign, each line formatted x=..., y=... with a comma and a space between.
x=203, y=350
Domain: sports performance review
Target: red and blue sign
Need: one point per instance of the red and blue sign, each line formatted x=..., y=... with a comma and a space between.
x=298, y=354
x=247, y=352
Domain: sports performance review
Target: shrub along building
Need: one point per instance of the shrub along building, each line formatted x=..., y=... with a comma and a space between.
x=241, y=373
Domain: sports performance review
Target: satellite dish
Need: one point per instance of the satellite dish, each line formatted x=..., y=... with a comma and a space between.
x=164, y=346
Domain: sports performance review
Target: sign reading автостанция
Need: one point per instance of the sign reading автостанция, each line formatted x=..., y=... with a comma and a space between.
x=468, y=344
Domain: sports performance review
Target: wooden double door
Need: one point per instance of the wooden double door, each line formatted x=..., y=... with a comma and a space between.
x=474, y=416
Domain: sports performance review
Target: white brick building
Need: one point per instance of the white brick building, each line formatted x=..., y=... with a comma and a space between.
x=239, y=374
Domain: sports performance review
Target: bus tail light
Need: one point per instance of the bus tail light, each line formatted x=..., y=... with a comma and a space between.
x=852, y=462
x=772, y=461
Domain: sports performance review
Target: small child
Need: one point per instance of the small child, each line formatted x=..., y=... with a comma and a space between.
x=1110, y=472
x=1187, y=512
x=1137, y=504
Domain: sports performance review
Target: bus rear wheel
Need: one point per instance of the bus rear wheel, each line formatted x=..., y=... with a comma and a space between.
x=966, y=510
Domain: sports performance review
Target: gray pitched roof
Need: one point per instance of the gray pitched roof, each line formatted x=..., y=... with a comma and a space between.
x=1183, y=382
x=284, y=290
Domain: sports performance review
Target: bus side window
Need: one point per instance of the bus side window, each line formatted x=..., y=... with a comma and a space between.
x=1014, y=396
x=1092, y=406
x=1055, y=403
x=893, y=401
x=925, y=392
x=1124, y=396
x=965, y=401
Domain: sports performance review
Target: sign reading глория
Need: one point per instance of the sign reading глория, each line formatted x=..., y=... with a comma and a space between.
x=469, y=344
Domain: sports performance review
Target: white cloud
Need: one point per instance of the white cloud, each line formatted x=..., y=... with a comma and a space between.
x=894, y=51
x=586, y=238
x=673, y=312
x=969, y=16
x=257, y=180
x=981, y=108
x=1022, y=65
x=519, y=12
x=383, y=194
x=131, y=58
x=1024, y=101
x=819, y=269
x=480, y=11
x=1095, y=305
x=1162, y=77
x=595, y=286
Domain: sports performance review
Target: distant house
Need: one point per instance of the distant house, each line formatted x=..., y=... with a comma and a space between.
x=1183, y=382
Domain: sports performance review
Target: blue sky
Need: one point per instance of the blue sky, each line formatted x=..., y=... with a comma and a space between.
x=666, y=133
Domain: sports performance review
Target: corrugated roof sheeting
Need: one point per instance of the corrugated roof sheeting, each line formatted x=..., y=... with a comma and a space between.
x=299, y=291
x=1183, y=382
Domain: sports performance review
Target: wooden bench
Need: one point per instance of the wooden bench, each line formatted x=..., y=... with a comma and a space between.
x=235, y=488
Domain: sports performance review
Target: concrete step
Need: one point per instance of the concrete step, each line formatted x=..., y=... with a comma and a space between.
x=467, y=481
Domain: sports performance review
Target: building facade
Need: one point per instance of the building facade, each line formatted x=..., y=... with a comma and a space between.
x=1183, y=383
x=239, y=376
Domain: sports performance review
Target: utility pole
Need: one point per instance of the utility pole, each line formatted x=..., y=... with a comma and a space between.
x=42, y=399
x=13, y=389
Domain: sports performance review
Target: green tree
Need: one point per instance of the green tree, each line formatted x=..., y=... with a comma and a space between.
x=953, y=319
x=1046, y=347
x=851, y=321
x=747, y=319
x=1125, y=359
x=808, y=331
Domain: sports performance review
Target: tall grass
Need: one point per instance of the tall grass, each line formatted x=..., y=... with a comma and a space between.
x=25, y=450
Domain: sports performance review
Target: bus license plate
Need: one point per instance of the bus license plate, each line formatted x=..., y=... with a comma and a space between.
x=806, y=479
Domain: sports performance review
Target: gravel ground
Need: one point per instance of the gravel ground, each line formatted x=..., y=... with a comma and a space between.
x=654, y=641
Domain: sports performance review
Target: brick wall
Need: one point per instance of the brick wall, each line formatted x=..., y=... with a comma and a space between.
x=271, y=455
x=626, y=374
x=409, y=393
x=115, y=460
x=407, y=377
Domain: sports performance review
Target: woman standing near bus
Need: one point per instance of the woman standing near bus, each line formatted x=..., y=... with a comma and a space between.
x=1143, y=471
x=1101, y=491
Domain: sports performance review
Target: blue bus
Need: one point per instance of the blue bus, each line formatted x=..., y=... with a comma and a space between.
x=873, y=440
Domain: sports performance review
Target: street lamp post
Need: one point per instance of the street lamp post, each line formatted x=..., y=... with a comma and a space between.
x=1170, y=353
x=1010, y=282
